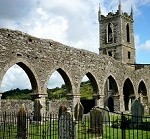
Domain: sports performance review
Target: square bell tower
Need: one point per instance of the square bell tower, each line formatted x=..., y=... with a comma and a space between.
x=116, y=35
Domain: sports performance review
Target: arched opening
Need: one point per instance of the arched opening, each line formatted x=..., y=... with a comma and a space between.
x=128, y=33
x=89, y=91
x=18, y=82
x=142, y=91
x=128, y=92
x=59, y=85
x=110, y=33
x=111, y=94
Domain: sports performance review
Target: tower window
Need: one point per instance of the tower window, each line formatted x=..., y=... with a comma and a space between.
x=110, y=53
x=128, y=32
x=110, y=33
x=129, y=55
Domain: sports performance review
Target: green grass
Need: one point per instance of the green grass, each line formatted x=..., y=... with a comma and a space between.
x=50, y=129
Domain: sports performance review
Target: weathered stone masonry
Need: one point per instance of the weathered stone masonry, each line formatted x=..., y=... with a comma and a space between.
x=114, y=81
x=40, y=58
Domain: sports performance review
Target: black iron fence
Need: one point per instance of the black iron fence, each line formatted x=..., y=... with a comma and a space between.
x=51, y=126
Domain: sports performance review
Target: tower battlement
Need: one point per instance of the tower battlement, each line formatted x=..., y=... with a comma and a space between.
x=113, y=15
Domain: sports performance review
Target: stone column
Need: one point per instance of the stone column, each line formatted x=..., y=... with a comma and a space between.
x=116, y=103
x=133, y=97
x=0, y=101
x=141, y=98
x=100, y=101
x=74, y=100
x=122, y=108
x=97, y=99
x=130, y=103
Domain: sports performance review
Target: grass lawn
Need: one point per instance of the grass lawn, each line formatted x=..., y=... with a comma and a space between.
x=49, y=129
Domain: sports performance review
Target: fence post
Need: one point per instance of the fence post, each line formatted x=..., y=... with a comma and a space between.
x=22, y=123
x=123, y=126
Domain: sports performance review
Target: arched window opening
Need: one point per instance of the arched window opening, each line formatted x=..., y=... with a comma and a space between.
x=142, y=91
x=18, y=82
x=59, y=85
x=110, y=53
x=128, y=32
x=110, y=33
x=111, y=94
x=129, y=55
x=128, y=92
x=88, y=90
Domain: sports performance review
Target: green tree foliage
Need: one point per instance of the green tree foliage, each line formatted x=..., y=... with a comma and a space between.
x=86, y=91
x=57, y=93
x=17, y=94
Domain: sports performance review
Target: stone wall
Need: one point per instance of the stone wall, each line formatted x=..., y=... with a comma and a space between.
x=40, y=58
x=14, y=105
x=54, y=105
x=51, y=106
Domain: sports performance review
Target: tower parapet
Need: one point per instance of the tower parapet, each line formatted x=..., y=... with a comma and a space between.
x=116, y=14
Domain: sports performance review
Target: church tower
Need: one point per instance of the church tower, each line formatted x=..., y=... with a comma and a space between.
x=117, y=35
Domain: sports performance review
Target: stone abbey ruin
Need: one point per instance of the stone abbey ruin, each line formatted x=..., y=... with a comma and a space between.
x=115, y=77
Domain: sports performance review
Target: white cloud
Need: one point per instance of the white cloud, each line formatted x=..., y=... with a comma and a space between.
x=14, y=78
x=144, y=46
x=55, y=80
x=141, y=46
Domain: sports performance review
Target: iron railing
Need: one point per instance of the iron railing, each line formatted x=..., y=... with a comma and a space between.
x=51, y=126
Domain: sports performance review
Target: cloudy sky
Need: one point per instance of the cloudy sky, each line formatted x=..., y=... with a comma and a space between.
x=72, y=22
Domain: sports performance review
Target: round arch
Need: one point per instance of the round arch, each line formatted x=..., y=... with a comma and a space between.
x=28, y=70
x=128, y=92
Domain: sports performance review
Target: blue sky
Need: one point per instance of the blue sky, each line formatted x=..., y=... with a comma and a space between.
x=141, y=28
x=72, y=22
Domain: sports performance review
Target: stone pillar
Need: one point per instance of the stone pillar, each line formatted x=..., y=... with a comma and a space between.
x=74, y=99
x=122, y=108
x=39, y=105
x=100, y=101
x=110, y=93
x=141, y=98
x=97, y=100
x=130, y=104
x=133, y=97
x=116, y=103
x=0, y=101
